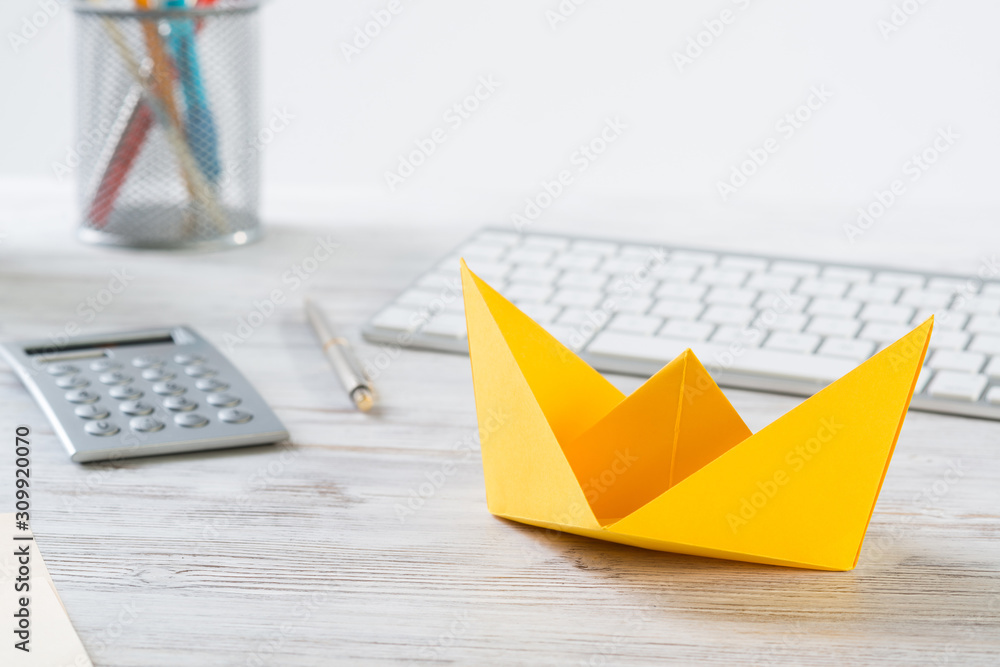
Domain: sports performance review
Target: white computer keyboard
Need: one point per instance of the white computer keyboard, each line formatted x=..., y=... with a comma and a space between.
x=756, y=322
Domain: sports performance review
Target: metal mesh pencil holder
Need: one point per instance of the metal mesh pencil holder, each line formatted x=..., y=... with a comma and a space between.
x=167, y=123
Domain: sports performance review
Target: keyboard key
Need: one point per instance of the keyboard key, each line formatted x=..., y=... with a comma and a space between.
x=529, y=256
x=728, y=315
x=834, y=326
x=577, y=262
x=991, y=290
x=920, y=298
x=578, y=316
x=418, y=298
x=792, y=342
x=957, y=386
x=723, y=277
x=586, y=280
x=542, y=313
x=595, y=247
x=694, y=257
x=984, y=324
x=986, y=343
x=782, y=302
x=847, y=274
x=884, y=312
x=685, y=310
x=772, y=321
x=943, y=319
x=769, y=282
x=834, y=307
x=754, y=360
x=491, y=271
x=686, y=330
x=953, y=360
x=640, y=324
x=441, y=280
x=395, y=319
x=950, y=285
x=531, y=274
x=631, y=284
x=883, y=333
x=636, y=305
x=751, y=264
x=677, y=273
x=977, y=305
x=746, y=336
x=949, y=340
x=732, y=296
x=897, y=279
x=578, y=298
x=448, y=325
x=922, y=379
x=993, y=395
x=681, y=291
x=626, y=265
x=801, y=269
x=874, y=293
x=527, y=292
x=851, y=348
x=824, y=288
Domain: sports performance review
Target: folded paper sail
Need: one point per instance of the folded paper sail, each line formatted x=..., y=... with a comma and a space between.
x=672, y=466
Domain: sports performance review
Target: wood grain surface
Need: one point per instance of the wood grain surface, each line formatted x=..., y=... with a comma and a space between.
x=366, y=540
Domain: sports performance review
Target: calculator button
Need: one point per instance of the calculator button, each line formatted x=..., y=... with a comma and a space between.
x=211, y=384
x=125, y=393
x=72, y=382
x=169, y=388
x=223, y=400
x=186, y=359
x=147, y=361
x=104, y=365
x=157, y=375
x=81, y=396
x=62, y=369
x=145, y=424
x=235, y=416
x=114, y=377
x=100, y=428
x=190, y=420
x=91, y=411
x=135, y=408
x=179, y=403
x=201, y=371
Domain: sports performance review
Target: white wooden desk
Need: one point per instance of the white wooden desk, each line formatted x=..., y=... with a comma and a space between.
x=299, y=555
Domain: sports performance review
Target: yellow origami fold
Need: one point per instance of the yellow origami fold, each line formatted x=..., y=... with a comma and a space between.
x=672, y=466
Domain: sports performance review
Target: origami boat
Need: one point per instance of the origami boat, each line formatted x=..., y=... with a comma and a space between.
x=673, y=467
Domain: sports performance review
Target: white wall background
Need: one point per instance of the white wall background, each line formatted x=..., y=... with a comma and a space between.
x=686, y=129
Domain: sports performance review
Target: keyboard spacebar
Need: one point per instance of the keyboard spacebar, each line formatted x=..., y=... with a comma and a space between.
x=752, y=360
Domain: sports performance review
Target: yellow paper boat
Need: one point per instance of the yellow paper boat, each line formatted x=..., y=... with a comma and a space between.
x=672, y=466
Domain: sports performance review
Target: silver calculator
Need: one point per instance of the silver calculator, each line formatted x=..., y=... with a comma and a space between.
x=141, y=393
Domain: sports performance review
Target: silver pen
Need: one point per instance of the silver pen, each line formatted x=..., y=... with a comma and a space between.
x=340, y=355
